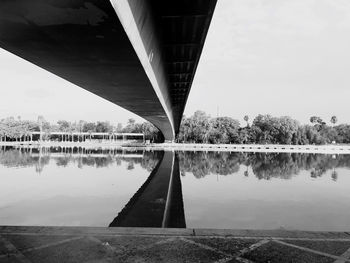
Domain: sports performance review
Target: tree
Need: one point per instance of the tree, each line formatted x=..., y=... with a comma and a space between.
x=243, y=135
x=151, y=132
x=89, y=127
x=343, y=133
x=318, y=122
x=287, y=128
x=119, y=127
x=103, y=126
x=131, y=122
x=63, y=125
x=224, y=130
x=3, y=130
x=81, y=125
x=40, y=123
x=299, y=137
x=184, y=130
x=246, y=118
x=132, y=126
x=314, y=119
x=334, y=120
x=268, y=128
x=199, y=127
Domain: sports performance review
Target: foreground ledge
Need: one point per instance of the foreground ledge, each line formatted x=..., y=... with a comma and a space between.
x=100, y=244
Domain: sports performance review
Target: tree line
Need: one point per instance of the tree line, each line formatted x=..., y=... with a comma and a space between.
x=201, y=128
x=14, y=129
x=264, y=129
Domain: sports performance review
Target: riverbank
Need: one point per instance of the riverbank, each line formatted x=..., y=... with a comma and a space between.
x=82, y=244
x=321, y=149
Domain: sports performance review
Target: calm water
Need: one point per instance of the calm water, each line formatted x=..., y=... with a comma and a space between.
x=81, y=187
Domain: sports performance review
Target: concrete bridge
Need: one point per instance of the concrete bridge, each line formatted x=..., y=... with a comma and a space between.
x=139, y=54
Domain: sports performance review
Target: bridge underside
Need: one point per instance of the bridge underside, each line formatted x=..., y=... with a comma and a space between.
x=141, y=55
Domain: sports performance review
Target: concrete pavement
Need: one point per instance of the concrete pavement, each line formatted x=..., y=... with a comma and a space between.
x=93, y=244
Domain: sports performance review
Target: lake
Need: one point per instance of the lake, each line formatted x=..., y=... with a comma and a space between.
x=66, y=186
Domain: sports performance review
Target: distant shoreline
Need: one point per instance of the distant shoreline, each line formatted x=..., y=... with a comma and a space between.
x=323, y=149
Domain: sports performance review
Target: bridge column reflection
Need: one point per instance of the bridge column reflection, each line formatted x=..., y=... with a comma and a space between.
x=158, y=202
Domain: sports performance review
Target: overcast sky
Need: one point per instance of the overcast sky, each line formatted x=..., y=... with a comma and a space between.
x=281, y=57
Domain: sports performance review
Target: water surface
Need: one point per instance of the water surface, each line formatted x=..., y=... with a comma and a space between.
x=110, y=187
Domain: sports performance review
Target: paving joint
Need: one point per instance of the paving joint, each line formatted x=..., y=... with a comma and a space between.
x=161, y=242
x=312, y=251
x=243, y=260
x=39, y=247
x=229, y=257
x=223, y=260
x=207, y=247
x=13, y=251
x=254, y=246
x=345, y=255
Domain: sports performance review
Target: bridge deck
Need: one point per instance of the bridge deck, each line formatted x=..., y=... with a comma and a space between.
x=147, y=69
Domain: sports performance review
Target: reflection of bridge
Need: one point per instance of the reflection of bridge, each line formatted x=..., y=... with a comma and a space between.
x=139, y=54
x=158, y=203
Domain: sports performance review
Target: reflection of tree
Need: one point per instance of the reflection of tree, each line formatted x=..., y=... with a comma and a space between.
x=11, y=157
x=88, y=161
x=103, y=161
x=63, y=161
x=16, y=158
x=318, y=172
x=264, y=165
x=42, y=161
x=80, y=163
x=150, y=160
x=246, y=173
x=130, y=166
x=334, y=175
x=38, y=158
x=200, y=164
x=204, y=163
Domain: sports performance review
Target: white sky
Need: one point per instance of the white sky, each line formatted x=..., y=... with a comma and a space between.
x=282, y=57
